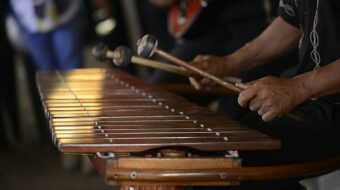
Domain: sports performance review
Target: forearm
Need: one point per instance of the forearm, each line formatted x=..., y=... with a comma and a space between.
x=322, y=82
x=278, y=39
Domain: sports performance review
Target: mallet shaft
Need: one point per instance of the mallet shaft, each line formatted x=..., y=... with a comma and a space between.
x=159, y=65
x=189, y=67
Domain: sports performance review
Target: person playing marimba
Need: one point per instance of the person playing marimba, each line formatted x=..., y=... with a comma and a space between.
x=220, y=27
x=313, y=92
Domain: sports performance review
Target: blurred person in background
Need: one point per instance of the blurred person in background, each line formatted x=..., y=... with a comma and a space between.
x=47, y=35
x=50, y=30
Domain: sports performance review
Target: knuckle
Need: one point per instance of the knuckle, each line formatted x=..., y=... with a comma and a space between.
x=257, y=84
x=269, y=102
x=206, y=57
x=205, y=65
x=198, y=58
x=261, y=86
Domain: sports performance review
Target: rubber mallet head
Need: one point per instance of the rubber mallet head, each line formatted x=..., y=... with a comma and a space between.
x=147, y=46
x=122, y=56
x=100, y=52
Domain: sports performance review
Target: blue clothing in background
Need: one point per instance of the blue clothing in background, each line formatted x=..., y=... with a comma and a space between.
x=50, y=31
x=59, y=49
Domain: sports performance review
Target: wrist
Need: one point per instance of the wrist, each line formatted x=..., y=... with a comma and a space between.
x=304, y=92
x=233, y=65
x=243, y=59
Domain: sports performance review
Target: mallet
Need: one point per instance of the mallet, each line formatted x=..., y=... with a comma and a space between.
x=122, y=56
x=147, y=47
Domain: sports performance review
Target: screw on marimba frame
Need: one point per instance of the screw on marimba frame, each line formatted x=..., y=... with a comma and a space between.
x=133, y=175
x=223, y=175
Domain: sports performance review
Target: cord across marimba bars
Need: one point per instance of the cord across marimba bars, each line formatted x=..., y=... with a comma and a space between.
x=100, y=110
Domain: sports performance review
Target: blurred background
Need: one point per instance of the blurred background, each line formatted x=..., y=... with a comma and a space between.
x=28, y=159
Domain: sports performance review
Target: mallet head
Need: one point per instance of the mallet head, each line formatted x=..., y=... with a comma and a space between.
x=99, y=52
x=122, y=56
x=147, y=46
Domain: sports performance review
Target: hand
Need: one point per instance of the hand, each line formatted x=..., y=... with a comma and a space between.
x=271, y=96
x=218, y=66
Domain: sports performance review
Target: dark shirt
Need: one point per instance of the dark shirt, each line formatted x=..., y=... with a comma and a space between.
x=230, y=17
x=302, y=14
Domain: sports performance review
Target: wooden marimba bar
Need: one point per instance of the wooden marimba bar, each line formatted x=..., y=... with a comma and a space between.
x=139, y=136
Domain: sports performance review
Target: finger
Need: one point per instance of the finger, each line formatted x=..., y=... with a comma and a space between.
x=194, y=83
x=265, y=108
x=255, y=104
x=268, y=113
x=205, y=58
x=245, y=85
x=198, y=58
x=268, y=116
x=242, y=85
x=246, y=95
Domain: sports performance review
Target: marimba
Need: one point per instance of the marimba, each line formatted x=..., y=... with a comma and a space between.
x=141, y=137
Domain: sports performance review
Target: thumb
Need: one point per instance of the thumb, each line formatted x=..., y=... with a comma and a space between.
x=244, y=85
x=194, y=83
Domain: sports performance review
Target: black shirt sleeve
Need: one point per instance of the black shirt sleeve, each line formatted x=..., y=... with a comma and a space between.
x=289, y=12
x=337, y=4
